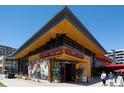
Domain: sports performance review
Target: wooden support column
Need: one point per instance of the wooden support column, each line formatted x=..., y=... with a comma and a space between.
x=19, y=66
x=93, y=65
x=50, y=76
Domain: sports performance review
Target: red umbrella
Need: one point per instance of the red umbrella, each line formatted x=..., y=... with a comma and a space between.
x=119, y=70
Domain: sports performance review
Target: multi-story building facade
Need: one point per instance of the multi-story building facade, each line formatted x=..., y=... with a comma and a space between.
x=5, y=50
x=116, y=55
x=4, y=62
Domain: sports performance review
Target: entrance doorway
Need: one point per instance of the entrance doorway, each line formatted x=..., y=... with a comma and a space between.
x=67, y=72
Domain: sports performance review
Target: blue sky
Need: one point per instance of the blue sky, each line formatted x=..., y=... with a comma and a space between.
x=19, y=23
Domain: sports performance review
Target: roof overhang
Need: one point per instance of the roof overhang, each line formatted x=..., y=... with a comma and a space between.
x=63, y=23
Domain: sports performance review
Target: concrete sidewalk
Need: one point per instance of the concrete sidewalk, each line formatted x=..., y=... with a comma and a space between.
x=30, y=83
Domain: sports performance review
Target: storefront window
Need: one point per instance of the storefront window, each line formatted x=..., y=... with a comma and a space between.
x=56, y=72
x=44, y=69
x=38, y=69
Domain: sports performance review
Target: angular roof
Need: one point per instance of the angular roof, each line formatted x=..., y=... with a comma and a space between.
x=65, y=13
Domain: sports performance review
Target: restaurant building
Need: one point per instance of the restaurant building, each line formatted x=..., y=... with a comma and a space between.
x=64, y=48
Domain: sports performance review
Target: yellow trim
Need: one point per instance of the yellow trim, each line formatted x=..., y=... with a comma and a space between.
x=62, y=27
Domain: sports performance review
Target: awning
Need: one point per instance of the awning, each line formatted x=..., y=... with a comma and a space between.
x=119, y=70
x=104, y=59
x=113, y=66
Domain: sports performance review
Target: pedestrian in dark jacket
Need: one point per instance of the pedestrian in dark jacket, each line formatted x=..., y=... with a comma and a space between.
x=110, y=79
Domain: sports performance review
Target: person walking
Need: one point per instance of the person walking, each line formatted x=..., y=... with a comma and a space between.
x=120, y=81
x=116, y=77
x=110, y=79
x=103, y=78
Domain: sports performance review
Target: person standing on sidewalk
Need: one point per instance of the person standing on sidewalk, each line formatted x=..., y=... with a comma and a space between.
x=120, y=81
x=103, y=78
x=110, y=79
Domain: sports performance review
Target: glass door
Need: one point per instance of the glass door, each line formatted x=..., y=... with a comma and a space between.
x=67, y=72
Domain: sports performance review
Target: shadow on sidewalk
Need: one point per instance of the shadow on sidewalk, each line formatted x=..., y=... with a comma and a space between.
x=91, y=82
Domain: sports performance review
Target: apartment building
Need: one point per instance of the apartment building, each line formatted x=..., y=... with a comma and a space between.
x=4, y=62
x=5, y=50
x=116, y=55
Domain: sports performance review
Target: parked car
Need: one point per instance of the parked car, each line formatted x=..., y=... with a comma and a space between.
x=10, y=73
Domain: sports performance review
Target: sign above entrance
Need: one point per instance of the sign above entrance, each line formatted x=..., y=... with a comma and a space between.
x=62, y=50
x=51, y=52
x=74, y=53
